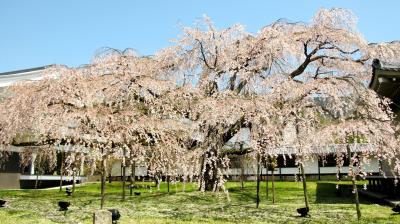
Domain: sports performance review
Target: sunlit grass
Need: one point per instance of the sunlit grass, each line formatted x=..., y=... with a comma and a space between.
x=191, y=206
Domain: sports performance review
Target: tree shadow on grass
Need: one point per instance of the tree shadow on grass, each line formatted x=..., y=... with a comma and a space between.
x=244, y=195
x=326, y=193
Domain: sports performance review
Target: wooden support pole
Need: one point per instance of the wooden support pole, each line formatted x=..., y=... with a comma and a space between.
x=241, y=172
x=61, y=170
x=354, y=183
x=103, y=182
x=258, y=181
x=273, y=185
x=304, y=184
x=168, y=182
x=132, y=182
x=266, y=180
x=123, y=181
x=73, y=180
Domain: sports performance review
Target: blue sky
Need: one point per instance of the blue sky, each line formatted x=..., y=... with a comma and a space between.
x=42, y=32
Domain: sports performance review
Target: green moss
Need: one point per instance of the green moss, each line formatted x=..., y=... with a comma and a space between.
x=191, y=206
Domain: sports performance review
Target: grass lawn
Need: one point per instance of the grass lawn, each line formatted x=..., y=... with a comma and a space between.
x=191, y=206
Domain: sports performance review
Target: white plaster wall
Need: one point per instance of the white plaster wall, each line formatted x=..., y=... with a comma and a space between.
x=311, y=167
x=116, y=170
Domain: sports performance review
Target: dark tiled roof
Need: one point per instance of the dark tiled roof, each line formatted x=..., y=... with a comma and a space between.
x=25, y=70
x=386, y=80
x=377, y=64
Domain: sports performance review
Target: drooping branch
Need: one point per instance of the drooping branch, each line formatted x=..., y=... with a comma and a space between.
x=315, y=56
x=308, y=59
x=203, y=55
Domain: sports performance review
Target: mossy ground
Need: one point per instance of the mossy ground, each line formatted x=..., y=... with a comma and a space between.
x=192, y=206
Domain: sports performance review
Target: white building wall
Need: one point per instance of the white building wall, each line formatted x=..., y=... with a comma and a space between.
x=116, y=170
x=311, y=167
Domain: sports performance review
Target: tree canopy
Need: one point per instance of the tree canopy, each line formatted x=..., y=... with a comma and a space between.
x=295, y=85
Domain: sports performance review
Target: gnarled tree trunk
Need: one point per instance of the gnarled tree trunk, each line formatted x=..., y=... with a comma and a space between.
x=212, y=158
x=209, y=173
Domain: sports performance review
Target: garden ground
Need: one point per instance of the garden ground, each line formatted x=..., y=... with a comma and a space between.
x=191, y=206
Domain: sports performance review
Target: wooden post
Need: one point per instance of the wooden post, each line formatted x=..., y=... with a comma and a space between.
x=183, y=184
x=353, y=181
x=201, y=174
x=261, y=172
x=61, y=170
x=123, y=165
x=133, y=166
x=304, y=184
x=273, y=184
x=168, y=182
x=303, y=174
x=103, y=182
x=36, y=169
x=258, y=180
x=241, y=168
x=241, y=172
x=109, y=178
x=319, y=170
x=273, y=165
x=37, y=179
x=123, y=181
x=266, y=178
x=73, y=180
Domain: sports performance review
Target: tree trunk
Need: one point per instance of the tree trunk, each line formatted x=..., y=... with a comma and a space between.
x=304, y=184
x=258, y=181
x=212, y=159
x=354, y=182
x=103, y=183
x=210, y=170
x=133, y=176
x=61, y=170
